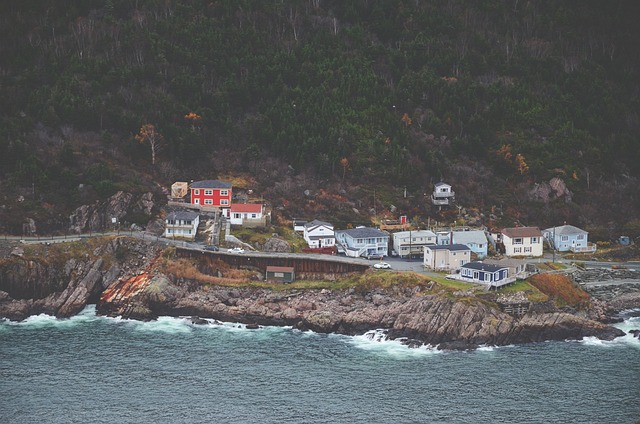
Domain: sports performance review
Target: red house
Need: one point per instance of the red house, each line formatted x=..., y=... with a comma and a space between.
x=211, y=193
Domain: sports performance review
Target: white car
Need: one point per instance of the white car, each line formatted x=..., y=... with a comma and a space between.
x=381, y=265
x=236, y=250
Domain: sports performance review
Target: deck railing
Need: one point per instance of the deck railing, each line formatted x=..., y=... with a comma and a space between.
x=589, y=248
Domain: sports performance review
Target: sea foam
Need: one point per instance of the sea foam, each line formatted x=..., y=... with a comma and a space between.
x=376, y=341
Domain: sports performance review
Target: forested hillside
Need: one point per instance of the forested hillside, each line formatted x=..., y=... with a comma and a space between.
x=358, y=98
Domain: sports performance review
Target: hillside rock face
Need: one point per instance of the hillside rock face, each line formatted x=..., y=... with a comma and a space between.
x=100, y=215
x=407, y=314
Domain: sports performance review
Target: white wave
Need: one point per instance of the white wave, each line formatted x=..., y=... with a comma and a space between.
x=169, y=325
x=631, y=323
x=376, y=341
x=485, y=348
x=88, y=314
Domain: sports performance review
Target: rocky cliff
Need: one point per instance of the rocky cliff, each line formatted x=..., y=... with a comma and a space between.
x=122, y=276
x=417, y=315
x=61, y=279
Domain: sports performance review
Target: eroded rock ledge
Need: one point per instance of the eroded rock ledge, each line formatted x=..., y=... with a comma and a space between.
x=410, y=314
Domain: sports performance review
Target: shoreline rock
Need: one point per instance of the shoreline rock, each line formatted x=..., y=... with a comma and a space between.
x=61, y=283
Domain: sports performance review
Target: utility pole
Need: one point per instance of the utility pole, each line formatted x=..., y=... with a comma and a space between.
x=553, y=246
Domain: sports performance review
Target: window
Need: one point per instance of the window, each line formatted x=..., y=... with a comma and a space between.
x=517, y=249
x=224, y=202
x=580, y=236
x=208, y=192
x=236, y=215
x=517, y=240
x=253, y=215
x=196, y=192
x=224, y=192
x=527, y=250
x=208, y=202
x=534, y=240
x=564, y=238
x=476, y=275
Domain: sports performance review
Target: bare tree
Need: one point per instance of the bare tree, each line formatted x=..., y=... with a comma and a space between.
x=148, y=133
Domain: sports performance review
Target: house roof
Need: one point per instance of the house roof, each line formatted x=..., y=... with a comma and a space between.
x=210, y=184
x=317, y=223
x=364, y=232
x=246, y=207
x=279, y=269
x=565, y=230
x=184, y=215
x=467, y=237
x=441, y=184
x=452, y=247
x=419, y=233
x=480, y=266
x=522, y=232
x=506, y=262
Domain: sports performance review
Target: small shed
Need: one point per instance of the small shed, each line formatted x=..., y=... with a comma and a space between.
x=179, y=190
x=280, y=274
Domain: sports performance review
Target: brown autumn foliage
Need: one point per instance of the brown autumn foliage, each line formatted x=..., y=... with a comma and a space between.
x=561, y=289
x=186, y=269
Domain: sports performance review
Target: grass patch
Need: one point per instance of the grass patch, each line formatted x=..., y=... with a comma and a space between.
x=533, y=294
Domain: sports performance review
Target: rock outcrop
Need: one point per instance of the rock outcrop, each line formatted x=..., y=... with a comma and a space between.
x=62, y=279
x=100, y=215
x=409, y=314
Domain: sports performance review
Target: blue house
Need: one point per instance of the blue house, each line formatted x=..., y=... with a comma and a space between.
x=362, y=241
x=487, y=274
x=568, y=238
x=476, y=240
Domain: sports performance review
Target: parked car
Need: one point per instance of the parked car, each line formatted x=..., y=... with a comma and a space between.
x=211, y=247
x=236, y=250
x=381, y=265
x=394, y=253
x=374, y=256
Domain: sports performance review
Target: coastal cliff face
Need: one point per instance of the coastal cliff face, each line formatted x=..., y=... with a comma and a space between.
x=62, y=279
x=410, y=314
x=121, y=276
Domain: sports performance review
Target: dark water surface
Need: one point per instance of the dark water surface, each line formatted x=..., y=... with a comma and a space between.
x=90, y=369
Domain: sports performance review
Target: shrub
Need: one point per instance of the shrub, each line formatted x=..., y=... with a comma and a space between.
x=561, y=289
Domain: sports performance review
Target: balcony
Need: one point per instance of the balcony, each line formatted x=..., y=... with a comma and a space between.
x=589, y=248
x=439, y=201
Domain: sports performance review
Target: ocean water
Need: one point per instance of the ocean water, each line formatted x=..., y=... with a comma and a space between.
x=89, y=369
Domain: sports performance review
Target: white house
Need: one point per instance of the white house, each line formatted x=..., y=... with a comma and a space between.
x=569, y=238
x=298, y=225
x=319, y=234
x=251, y=214
x=442, y=194
x=522, y=241
x=362, y=241
x=448, y=257
x=182, y=225
x=412, y=243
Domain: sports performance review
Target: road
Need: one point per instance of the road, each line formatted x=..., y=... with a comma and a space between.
x=397, y=263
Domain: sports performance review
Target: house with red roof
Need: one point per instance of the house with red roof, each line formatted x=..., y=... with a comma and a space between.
x=247, y=214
